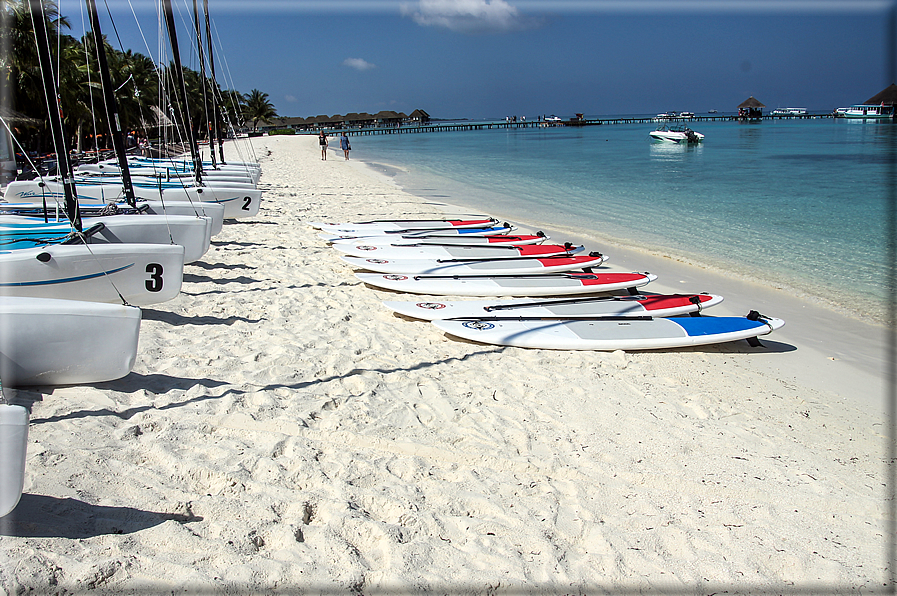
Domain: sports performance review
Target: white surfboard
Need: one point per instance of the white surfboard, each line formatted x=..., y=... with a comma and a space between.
x=551, y=284
x=506, y=266
x=404, y=224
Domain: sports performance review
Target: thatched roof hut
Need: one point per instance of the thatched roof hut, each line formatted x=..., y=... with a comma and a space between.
x=750, y=109
x=885, y=97
x=751, y=103
x=420, y=116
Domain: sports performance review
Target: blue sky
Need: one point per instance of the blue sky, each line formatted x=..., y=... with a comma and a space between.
x=496, y=58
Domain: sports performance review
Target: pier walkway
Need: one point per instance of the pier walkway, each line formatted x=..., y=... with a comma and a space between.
x=504, y=124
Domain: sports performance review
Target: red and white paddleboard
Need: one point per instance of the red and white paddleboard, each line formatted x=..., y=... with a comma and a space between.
x=450, y=266
x=658, y=305
x=546, y=284
x=432, y=251
x=404, y=240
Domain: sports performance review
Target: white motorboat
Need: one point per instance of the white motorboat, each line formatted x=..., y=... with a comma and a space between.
x=789, y=112
x=866, y=112
x=675, y=134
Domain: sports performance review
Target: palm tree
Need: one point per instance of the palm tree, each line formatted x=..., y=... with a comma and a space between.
x=258, y=108
x=232, y=105
x=20, y=77
x=137, y=81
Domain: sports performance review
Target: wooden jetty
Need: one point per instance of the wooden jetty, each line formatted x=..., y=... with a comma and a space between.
x=574, y=122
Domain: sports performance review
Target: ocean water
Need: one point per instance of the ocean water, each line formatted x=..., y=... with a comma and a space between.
x=796, y=204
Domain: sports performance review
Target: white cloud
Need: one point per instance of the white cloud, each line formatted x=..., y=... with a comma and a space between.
x=468, y=16
x=358, y=64
x=290, y=98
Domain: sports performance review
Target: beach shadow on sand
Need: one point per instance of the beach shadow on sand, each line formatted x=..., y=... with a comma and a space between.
x=242, y=279
x=43, y=516
x=240, y=244
x=177, y=320
x=154, y=383
x=212, y=266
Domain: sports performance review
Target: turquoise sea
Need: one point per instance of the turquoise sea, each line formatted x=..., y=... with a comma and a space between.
x=796, y=204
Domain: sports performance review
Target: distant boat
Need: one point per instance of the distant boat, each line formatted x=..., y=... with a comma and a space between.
x=673, y=116
x=711, y=111
x=552, y=118
x=866, y=112
x=789, y=112
x=675, y=134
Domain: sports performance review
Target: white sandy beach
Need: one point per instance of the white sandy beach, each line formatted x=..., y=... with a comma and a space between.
x=282, y=431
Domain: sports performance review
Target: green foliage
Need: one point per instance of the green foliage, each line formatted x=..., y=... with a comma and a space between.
x=135, y=78
x=257, y=107
x=281, y=131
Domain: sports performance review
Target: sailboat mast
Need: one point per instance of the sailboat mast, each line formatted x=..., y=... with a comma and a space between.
x=217, y=131
x=179, y=72
x=202, y=78
x=111, y=105
x=63, y=165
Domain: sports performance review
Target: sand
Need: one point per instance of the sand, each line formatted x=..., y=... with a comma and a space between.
x=282, y=431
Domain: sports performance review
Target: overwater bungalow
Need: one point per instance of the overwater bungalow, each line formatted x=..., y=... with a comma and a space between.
x=750, y=109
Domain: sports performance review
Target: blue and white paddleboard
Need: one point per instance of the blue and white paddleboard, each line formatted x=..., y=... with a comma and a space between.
x=610, y=333
x=433, y=251
x=436, y=240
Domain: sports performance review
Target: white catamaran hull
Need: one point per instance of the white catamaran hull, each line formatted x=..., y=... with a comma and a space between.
x=65, y=342
x=141, y=274
x=56, y=212
x=193, y=233
x=237, y=202
x=13, y=445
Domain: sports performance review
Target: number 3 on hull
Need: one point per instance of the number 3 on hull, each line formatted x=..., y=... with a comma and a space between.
x=141, y=274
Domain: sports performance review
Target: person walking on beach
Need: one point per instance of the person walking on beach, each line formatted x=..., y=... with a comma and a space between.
x=344, y=144
x=322, y=140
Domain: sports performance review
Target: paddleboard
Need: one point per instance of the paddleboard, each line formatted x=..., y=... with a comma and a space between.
x=445, y=232
x=614, y=333
x=506, y=266
x=550, y=284
x=466, y=240
x=404, y=224
x=433, y=251
x=657, y=305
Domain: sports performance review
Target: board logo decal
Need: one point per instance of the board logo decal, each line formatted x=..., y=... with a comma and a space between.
x=366, y=247
x=430, y=305
x=376, y=261
x=394, y=277
x=478, y=325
